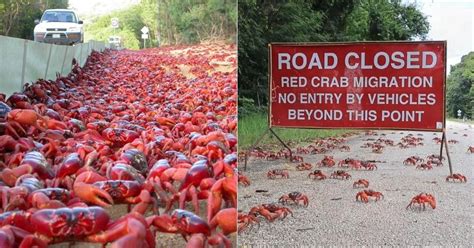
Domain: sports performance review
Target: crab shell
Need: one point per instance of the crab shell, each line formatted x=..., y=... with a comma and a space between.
x=120, y=190
x=70, y=222
x=189, y=223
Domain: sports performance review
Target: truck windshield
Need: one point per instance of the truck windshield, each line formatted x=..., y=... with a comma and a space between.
x=59, y=16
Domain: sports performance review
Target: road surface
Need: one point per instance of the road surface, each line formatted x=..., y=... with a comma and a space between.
x=334, y=218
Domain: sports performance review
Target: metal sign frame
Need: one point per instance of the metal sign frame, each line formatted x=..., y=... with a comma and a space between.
x=269, y=75
x=270, y=78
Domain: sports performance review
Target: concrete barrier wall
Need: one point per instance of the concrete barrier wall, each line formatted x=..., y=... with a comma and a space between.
x=25, y=61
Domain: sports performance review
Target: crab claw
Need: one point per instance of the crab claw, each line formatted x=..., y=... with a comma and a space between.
x=90, y=193
x=89, y=177
x=71, y=165
x=165, y=121
x=196, y=240
x=224, y=188
x=226, y=220
x=220, y=239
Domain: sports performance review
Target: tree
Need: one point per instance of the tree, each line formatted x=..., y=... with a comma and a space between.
x=265, y=21
x=460, y=87
x=17, y=16
x=171, y=22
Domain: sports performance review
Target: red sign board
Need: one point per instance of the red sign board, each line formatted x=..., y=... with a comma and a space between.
x=383, y=85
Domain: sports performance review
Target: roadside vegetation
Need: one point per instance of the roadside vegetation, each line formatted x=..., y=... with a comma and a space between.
x=262, y=22
x=170, y=23
x=252, y=126
x=17, y=18
x=460, y=88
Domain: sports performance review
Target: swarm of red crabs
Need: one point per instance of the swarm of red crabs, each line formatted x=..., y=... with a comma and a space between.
x=127, y=128
x=329, y=167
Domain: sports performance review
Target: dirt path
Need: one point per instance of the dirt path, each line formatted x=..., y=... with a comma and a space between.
x=333, y=217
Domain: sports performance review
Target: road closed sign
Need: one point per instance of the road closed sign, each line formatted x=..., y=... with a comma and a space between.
x=371, y=85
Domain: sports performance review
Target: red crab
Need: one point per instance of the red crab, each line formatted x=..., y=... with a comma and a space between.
x=190, y=225
x=246, y=220
x=344, y=148
x=270, y=212
x=361, y=182
x=470, y=149
x=424, y=166
x=296, y=159
x=243, y=179
x=365, y=194
x=369, y=166
x=452, y=141
x=455, y=177
x=271, y=174
x=294, y=197
x=317, y=175
x=304, y=166
x=89, y=224
x=340, y=174
x=422, y=199
x=327, y=161
x=409, y=161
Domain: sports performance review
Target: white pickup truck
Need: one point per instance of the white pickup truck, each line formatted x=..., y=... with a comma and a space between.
x=59, y=26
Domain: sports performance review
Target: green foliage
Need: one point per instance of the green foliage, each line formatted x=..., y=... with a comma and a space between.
x=170, y=22
x=265, y=21
x=386, y=20
x=460, y=88
x=129, y=28
x=252, y=126
x=17, y=16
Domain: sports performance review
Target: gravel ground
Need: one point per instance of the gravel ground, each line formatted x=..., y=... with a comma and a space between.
x=333, y=217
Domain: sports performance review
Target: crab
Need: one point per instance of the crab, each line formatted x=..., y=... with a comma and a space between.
x=409, y=161
x=422, y=199
x=317, y=175
x=245, y=220
x=344, y=148
x=424, y=166
x=296, y=159
x=369, y=166
x=455, y=177
x=433, y=156
x=340, y=174
x=91, y=224
x=365, y=194
x=243, y=179
x=452, y=141
x=350, y=162
x=327, y=161
x=318, y=150
x=294, y=197
x=436, y=162
x=304, y=166
x=377, y=149
x=361, y=182
x=278, y=172
x=470, y=149
x=270, y=212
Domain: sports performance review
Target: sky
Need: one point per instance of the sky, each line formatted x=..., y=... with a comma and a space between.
x=88, y=8
x=451, y=20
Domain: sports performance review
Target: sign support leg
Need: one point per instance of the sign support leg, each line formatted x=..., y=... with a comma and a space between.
x=252, y=147
x=281, y=141
x=444, y=141
x=442, y=144
x=258, y=141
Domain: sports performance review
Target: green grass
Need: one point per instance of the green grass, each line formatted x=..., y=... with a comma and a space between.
x=252, y=126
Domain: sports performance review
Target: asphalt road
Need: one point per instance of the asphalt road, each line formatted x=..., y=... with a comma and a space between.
x=335, y=218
